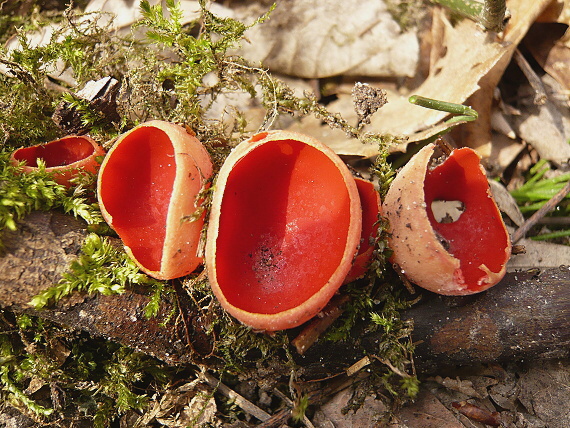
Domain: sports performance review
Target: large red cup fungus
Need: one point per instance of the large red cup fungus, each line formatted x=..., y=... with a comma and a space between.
x=371, y=209
x=64, y=158
x=284, y=228
x=458, y=257
x=148, y=188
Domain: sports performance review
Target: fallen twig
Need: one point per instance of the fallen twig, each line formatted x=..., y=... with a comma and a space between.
x=533, y=79
x=318, y=325
x=240, y=400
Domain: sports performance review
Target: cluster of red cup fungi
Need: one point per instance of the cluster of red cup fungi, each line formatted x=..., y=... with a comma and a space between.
x=288, y=223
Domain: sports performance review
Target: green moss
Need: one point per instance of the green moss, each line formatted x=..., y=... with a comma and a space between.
x=20, y=193
x=101, y=268
x=103, y=379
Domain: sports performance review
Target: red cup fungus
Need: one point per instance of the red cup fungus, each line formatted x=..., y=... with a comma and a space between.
x=64, y=158
x=449, y=256
x=371, y=209
x=148, y=189
x=284, y=228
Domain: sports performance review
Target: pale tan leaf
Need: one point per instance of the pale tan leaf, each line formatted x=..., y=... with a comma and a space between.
x=539, y=255
x=458, y=74
x=313, y=39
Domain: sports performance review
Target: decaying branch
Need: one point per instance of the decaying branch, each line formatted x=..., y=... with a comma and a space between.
x=526, y=316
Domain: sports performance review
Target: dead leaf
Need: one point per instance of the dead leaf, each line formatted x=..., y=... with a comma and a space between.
x=547, y=46
x=120, y=14
x=331, y=413
x=463, y=386
x=544, y=392
x=457, y=75
x=539, y=255
x=505, y=393
x=314, y=39
x=547, y=129
x=191, y=404
x=557, y=11
x=506, y=202
x=428, y=412
x=504, y=152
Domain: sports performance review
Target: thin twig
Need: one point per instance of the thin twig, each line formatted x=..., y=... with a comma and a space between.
x=238, y=399
x=532, y=77
x=391, y=367
x=359, y=365
x=545, y=209
x=278, y=420
x=319, y=324
x=555, y=220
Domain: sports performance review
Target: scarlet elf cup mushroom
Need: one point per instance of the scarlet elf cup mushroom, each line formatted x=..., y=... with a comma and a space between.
x=284, y=228
x=148, y=189
x=371, y=209
x=64, y=158
x=458, y=257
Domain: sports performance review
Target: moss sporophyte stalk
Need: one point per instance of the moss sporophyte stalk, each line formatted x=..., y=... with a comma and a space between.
x=106, y=379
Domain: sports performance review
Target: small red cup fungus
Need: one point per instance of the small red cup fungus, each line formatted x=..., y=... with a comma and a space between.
x=458, y=256
x=63, y=158
x=148, y=190
x=284, y=228
x=371, y=209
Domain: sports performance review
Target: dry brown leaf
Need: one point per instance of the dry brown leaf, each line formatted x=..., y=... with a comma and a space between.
x=506, y=202
x=428, y=412
x=544, y=392
x=547, y=129
x=314, y=39
x=191, y=404
x=546, y=44
x=458, y=385
x=471, y=54
x=504, y=152
x=557, y=11
x=539, y=255
x=331, y=413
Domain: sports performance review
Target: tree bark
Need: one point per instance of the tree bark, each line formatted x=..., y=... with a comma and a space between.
x=526, y=316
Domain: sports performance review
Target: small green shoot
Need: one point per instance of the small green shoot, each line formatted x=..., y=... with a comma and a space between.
x=463, y=113
x=537, y=190
x=491, y=14
x=553, y=235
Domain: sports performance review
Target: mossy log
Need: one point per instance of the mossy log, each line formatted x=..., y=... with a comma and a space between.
x=526, y=316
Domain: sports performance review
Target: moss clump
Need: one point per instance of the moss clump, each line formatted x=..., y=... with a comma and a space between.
x=60, y=376
x=101, y=268
x=21, y=193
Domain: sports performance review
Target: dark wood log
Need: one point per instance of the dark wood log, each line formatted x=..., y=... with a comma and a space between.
x=526, y=316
